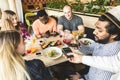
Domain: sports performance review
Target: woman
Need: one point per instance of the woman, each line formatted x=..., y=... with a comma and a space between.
x=9, y=15
x=12, y=65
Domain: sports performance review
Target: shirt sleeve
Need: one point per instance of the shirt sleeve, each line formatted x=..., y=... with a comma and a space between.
x=35, y=29
x=111, y=63
x=60, y=21
x=80, y=21
x=55, y=26
x=87, y=49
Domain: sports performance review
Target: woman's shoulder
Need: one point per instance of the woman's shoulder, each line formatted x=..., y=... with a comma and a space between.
x=34, y=62
x=35, y=66
x=37, y=70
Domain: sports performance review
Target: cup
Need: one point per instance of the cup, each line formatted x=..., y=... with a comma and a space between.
x=74, y=33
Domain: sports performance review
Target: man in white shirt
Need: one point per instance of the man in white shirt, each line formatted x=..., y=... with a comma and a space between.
x=108, y=23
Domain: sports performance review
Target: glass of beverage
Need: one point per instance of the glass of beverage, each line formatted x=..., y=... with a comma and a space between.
x=74, y=33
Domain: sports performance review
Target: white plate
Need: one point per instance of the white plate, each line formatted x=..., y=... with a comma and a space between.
x=49, y=49
x=87, y=39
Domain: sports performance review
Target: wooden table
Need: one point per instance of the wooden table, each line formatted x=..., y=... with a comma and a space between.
x=47, y=61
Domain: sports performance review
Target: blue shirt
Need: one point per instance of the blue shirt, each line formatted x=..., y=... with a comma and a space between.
x=97, y=49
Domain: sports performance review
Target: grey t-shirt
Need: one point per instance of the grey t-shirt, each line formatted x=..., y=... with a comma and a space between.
x=70, y=24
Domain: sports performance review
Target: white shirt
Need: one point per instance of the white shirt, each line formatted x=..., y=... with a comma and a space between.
x=111, y=63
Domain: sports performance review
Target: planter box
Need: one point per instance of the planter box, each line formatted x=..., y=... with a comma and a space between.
x=88, y=19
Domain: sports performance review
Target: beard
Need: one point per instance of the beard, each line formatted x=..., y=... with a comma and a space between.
x=104, y=40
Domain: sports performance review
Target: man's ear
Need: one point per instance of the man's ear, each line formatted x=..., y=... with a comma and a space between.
x=113, y=36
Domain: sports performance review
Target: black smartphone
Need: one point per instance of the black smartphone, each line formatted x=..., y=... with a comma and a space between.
x=67, y=50
x=38, y=53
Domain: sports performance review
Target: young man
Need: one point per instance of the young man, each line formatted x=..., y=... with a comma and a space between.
x=43, y=24
x=69, y=21
x=107, y=36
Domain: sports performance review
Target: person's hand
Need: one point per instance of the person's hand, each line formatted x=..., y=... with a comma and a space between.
x=75, y=76
x=43, y=35
x=37, y=36
x=75, y=59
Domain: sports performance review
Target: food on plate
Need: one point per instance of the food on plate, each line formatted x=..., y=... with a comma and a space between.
x=86, y=42
x=52, y=53
x=56, y=43
x=33, y=40
x=42, y=43
x=28, y=51
x=80, y=35
x=31, y=50
x=59, y=42
x=53, y=43
x=46, y=44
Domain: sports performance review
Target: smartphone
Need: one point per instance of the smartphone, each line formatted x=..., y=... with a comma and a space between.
x=67, y=50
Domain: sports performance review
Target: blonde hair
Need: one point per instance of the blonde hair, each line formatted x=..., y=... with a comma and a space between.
x=8, y=14
x=0, y=13
x=6, y=20
x=12, y=66
x=7, y=25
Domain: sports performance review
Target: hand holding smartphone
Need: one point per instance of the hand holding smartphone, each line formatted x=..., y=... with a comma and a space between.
x=67, y=50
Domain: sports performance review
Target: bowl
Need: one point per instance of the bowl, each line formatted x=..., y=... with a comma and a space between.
x=52, y=52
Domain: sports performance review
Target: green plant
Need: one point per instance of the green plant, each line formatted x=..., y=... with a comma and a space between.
x=78, y=6
x=57, y=4
x=94, y=7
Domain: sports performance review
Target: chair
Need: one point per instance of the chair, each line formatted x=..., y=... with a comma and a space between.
x=30, y=18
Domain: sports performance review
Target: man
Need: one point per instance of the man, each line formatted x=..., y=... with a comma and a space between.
x=107, y=36
x=108, y=63
x=43, y=24
x=69, y=21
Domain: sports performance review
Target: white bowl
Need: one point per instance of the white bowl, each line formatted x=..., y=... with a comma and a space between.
x=49, y=49
x=87, y=39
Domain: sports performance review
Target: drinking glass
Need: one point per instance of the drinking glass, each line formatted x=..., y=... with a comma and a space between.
x=74, y=33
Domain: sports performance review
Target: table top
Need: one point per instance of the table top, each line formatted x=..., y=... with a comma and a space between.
x=47, y=61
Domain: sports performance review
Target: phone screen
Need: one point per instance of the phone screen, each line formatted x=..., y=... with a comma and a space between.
x=67, y=50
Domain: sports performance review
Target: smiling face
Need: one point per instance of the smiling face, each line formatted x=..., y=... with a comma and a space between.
x=68, y=12
x=14, y=20
x=101, y=34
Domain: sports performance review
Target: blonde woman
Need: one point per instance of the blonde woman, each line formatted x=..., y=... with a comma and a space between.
x=6, y=23
x=12, y=65
x=11, y=17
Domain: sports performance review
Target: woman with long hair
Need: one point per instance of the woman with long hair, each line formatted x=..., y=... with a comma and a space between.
x=12, y=65
x=8, y=16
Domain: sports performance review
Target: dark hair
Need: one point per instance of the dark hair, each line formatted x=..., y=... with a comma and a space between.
x=111, y=28
x=42, y=13
x=10, y=12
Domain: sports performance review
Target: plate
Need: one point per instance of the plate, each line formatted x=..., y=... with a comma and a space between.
x=52, y=52
x=86, y=41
